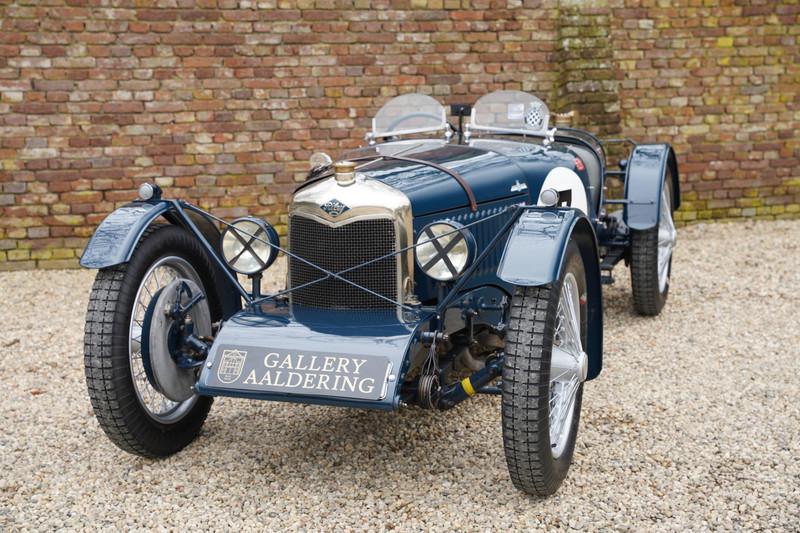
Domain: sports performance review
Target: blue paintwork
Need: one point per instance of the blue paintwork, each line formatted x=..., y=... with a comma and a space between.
x=490, y=167
x=525, y=258
x=535, y=249
x=501, y=173
x=490, y=175
x=644, y=182
x=426, y=288
x=314, y=330
x=116, y=237
x=534, y=256
x=536, y=161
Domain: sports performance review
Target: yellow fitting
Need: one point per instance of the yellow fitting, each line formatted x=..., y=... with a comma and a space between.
x=467, y=386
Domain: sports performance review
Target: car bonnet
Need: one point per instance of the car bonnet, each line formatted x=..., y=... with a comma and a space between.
x=490, y=176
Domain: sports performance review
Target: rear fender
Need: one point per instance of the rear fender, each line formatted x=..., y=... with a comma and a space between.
x=534, y=256
x=644, y=181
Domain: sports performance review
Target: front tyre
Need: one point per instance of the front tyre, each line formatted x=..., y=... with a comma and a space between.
x=130, y=409
x=543, y=372
x=651, y=258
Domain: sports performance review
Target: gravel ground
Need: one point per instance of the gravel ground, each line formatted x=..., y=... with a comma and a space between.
x=693, y=424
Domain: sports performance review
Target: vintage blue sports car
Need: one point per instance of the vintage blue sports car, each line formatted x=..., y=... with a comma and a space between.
x=437, y=262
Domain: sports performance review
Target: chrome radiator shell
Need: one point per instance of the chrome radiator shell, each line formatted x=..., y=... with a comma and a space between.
x=365, y=200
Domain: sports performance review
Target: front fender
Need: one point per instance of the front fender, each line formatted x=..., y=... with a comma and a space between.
x=644, y=181
x=115, y=239
x=534, y=256
x=535, y=249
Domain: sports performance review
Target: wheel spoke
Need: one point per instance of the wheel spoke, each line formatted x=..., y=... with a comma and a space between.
x=666, y=238
x=567, y=363
x=160, y=274
x=146, y=288
x=569, y=332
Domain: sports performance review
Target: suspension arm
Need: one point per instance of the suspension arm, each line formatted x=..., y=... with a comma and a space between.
x=458, y=392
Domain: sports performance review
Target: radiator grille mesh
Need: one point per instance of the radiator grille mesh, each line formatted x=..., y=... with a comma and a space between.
x=337, y=249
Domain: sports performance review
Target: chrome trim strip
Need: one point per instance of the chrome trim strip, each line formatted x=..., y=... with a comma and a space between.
x=385, y=388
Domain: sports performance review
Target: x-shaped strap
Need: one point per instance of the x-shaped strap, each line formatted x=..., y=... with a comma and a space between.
x=441, y=251
x=247, y=247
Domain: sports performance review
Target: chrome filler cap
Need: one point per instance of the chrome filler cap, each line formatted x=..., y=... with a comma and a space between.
x=345, y=172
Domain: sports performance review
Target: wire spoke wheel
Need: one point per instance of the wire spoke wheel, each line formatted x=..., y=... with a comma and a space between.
x=158, y=406
x=565, y=364
x=667, y=235
x=121, y=383
x=543, y=373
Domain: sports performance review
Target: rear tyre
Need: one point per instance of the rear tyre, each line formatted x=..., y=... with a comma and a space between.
x=543, y=373
x=651, y=258
x=130, y=409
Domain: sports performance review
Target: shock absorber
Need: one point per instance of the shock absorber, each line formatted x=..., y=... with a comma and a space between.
x=458, y=392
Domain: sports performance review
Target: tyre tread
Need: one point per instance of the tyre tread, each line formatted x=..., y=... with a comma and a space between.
x=647, y=297
x=528, y=334
x=106, y=367
x=109, y=407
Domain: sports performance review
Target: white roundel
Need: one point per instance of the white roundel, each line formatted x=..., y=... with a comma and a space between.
x=569, y=186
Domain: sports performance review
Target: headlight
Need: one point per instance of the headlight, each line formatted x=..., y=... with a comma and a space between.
x=444, y=250
x=243, y=245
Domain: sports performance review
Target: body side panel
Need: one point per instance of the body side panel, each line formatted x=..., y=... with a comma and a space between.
x=537, y=162
x=494, y=169
x=484, y=232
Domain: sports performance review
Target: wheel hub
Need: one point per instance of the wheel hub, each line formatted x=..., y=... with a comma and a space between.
x=164, y=335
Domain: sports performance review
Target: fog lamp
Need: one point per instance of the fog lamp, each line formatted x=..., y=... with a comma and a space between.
x=249, y=245
x=444, y=250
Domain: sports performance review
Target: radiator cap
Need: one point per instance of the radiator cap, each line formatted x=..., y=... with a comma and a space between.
x=345, y=172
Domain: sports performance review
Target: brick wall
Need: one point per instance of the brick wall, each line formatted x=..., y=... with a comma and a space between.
x=222, y=102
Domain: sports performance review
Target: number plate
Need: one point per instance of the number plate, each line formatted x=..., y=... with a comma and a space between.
x=360, y=377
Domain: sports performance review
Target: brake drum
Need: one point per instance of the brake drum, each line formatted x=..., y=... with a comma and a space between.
x=160, y=331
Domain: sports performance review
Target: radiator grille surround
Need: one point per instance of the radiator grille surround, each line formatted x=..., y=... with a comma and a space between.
x=339, y=247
